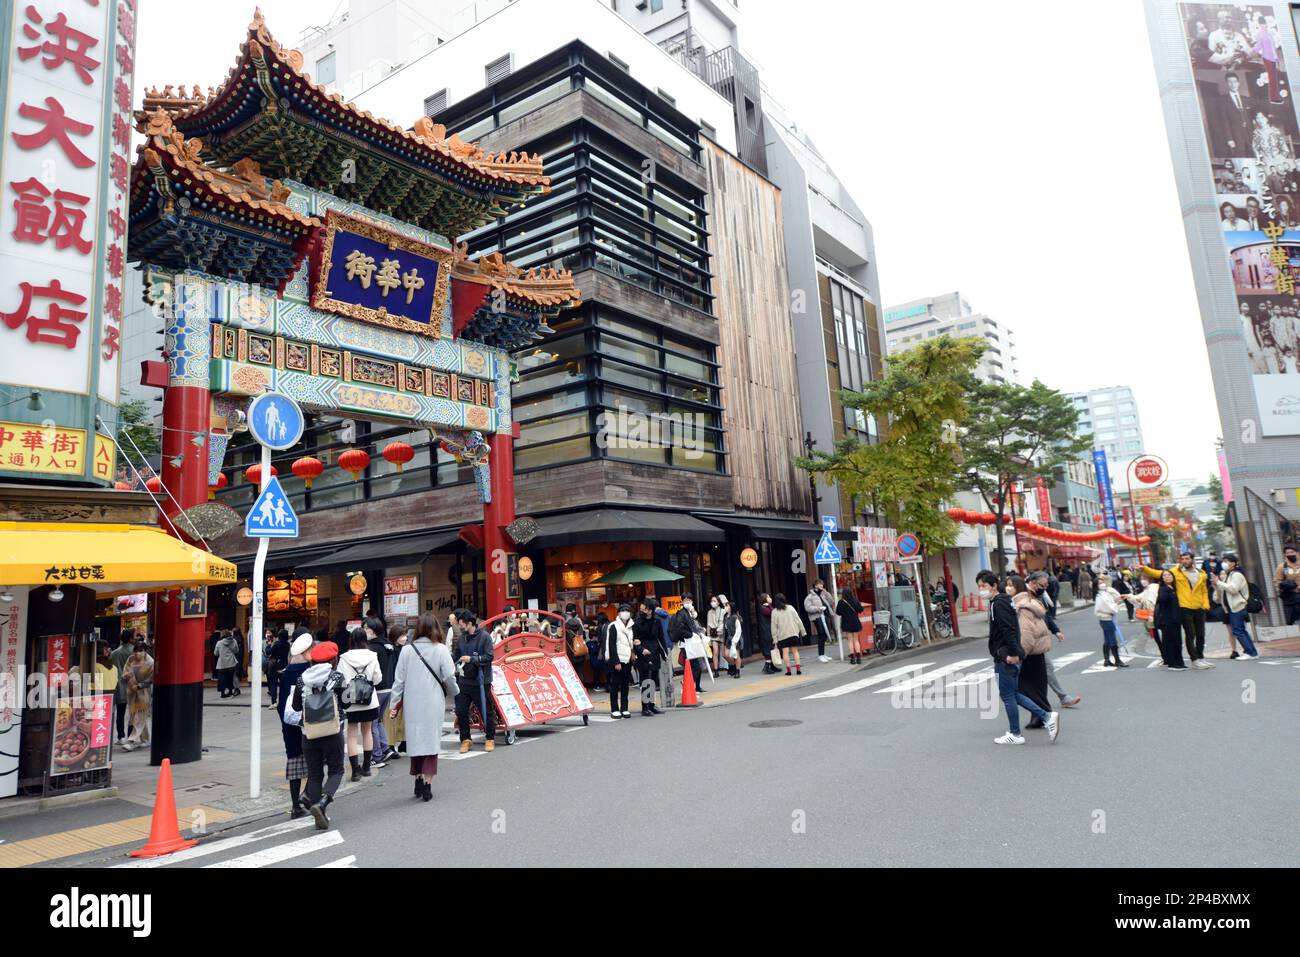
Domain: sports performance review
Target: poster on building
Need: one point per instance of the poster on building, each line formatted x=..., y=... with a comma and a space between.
x=83, y=734
x=13, y=648
x=1103, y=487
x=401, y=597
x=1248, y=119
x=65, y=168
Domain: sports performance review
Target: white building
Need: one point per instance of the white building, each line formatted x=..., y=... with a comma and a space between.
x=1111, y=415
x=913, y=322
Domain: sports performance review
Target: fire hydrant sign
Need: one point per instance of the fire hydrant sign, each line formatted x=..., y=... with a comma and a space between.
x=65, y=173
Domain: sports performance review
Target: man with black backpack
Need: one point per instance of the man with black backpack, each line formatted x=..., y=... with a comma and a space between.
x=474, y=656
x=318, y=695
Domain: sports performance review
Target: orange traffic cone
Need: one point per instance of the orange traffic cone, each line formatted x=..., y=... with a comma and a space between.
x=164, y=834
x=689, y=698
x=964, y=606
x=981, y=603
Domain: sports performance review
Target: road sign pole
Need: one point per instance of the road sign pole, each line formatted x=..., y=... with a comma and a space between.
x=255, y=645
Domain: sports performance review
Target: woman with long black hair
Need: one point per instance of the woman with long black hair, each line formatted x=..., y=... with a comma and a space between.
x=1168, y=622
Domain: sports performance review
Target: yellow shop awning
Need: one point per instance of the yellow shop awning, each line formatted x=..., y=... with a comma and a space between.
x=112, y=559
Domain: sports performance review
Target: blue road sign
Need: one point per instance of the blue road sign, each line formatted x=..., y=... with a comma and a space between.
x=827, y=553
x=909, y=546
x=830, y=523
x=271, y=515
x=275, y=421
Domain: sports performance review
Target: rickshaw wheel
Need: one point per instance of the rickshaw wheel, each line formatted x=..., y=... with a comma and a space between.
x=511, y=736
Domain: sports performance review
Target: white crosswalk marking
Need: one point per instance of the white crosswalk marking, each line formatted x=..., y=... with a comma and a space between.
x=207, y=849
x=929, y=676
x=284, y=852
x=349, y=861
x=1064, y=661
x=867, y=682
x=1098, y=666
x=987, y=674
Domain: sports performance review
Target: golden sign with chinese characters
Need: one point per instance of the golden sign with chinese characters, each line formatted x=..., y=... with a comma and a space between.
x=53, y=450
x=367, y=271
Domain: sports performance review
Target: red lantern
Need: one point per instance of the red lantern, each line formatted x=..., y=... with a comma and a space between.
x=222, y=482
x=398, y=453
x=154, y=485
x=254, y=474
x=956, y=514
x=308, y=468
x=1024, y=523
x=355, y=461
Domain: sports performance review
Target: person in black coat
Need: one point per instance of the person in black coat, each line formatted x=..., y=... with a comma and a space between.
x=1007, y=654
x=765, y=633
x=1168, y=622
x=848, y=608
x=277, y=659
x=295, y=769
x=474, y=656
x=647, y=654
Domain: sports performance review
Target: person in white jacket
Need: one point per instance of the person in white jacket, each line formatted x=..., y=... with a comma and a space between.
x=1106, y=607
x=618, y=658
x=1232, y=589
x=360, y=662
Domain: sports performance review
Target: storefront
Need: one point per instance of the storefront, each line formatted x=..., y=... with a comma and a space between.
x=56, y=721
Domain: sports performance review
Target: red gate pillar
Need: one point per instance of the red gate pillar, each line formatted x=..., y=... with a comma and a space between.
x=497, y=514
x=178, y=653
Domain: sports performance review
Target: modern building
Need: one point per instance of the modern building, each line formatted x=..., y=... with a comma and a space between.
x=1111, y=415
x=913, y=322
x=1253, y=370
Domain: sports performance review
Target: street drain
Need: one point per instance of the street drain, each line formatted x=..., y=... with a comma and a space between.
x=775, y=723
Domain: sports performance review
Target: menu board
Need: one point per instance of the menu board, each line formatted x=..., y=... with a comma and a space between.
x=83, y=735
x=289, y=595
x=401, y=597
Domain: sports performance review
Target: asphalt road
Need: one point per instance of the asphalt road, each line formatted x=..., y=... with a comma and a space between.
x=1154, y=768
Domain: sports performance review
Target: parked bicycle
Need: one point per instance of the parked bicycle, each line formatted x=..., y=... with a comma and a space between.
x=894, y=631
x=941, y=619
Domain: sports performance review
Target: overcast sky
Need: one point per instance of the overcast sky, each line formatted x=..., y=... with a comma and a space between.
x=1011, y=149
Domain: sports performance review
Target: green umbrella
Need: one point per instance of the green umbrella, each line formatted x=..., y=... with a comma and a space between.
x=634, y=572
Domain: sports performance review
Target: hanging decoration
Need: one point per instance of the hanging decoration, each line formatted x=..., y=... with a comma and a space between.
x=398, y=454
x=355, y=461
x=308, y=468
x=221, y=483
x=253, y=474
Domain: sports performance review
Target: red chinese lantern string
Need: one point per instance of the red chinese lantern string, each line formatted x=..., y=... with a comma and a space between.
x=355, y=461
x=398, y=453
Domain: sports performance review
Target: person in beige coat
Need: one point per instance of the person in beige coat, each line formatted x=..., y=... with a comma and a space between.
x=787, y=629
x=1036, y=639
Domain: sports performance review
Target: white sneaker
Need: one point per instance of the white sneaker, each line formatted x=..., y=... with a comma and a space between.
x=1202, y=665
x=1253, y=657
x=626, y=714
x=1053, y=726
x=1009, y=738
x=823, y=658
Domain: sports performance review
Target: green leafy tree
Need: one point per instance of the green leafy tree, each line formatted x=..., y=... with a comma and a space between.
x=134, y=421
x=920, y=404
x=1017, y=434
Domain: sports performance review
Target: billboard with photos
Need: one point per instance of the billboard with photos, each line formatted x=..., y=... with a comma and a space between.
x=1248, y=116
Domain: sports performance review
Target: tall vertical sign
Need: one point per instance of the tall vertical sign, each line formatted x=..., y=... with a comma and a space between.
x=1103, y=487
x=66, y=85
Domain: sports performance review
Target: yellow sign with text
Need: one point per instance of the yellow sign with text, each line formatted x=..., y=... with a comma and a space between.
x=53, y=450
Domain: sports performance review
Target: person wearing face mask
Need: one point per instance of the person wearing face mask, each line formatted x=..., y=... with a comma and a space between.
x=1287, y=582
x=647, y=652
x=713, y=625
x=1233, y=591
x=818, y=606
x=1007, y=654
x=619, y=642
x=1039, y=585
x=1106, y=606
x=770, y=656
x=1191, y=584
x=732, y=631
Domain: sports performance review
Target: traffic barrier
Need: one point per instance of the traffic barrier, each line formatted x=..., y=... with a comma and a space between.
x=689, y=698
x=981, y=603
x=164, y=834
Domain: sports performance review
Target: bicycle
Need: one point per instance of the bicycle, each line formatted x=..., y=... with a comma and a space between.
x=941, y=620
x=889, y=637
x=909, y=635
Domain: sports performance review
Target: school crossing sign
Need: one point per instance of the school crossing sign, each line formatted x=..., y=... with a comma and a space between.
x=271, y=515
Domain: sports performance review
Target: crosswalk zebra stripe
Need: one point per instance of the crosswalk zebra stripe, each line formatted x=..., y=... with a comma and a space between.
x=1064, y=661
x=349, y=861
x=283, y=852
x=929, y=676
x=866, y=682
x=209, y=848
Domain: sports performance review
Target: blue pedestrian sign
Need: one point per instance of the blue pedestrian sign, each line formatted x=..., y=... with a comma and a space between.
x=827, y=553
x=271, y=515
x=275, y=421
x=830, y=523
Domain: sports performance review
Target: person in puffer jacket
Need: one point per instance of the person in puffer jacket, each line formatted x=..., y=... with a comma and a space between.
x=359, y=661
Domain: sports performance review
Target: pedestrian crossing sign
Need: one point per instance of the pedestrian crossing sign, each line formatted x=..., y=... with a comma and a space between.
x=271, y=515
x=827, y=553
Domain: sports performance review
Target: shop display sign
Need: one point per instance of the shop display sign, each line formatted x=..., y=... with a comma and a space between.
x=874, y=544
x=194, y=602
x=13, y=646
x=748, y=558
x=401, y=597
x=525, y=568
x=83, y=732
x=66, y=159
x=513, y=589
x=357, y=584
x=131, y=604
x=58, y=659
x=53, y=450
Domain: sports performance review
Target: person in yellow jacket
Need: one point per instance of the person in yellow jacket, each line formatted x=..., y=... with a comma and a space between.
x=1192, y=586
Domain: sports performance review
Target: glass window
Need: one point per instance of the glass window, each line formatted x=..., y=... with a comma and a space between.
x=618, y=399
x=484, y=126
x=554, y=427
x=553, y=454
x=326, y=69
x=550, y=403
x=688, y=367
x=637, y=352
x=611, y=99
x=626, y=375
